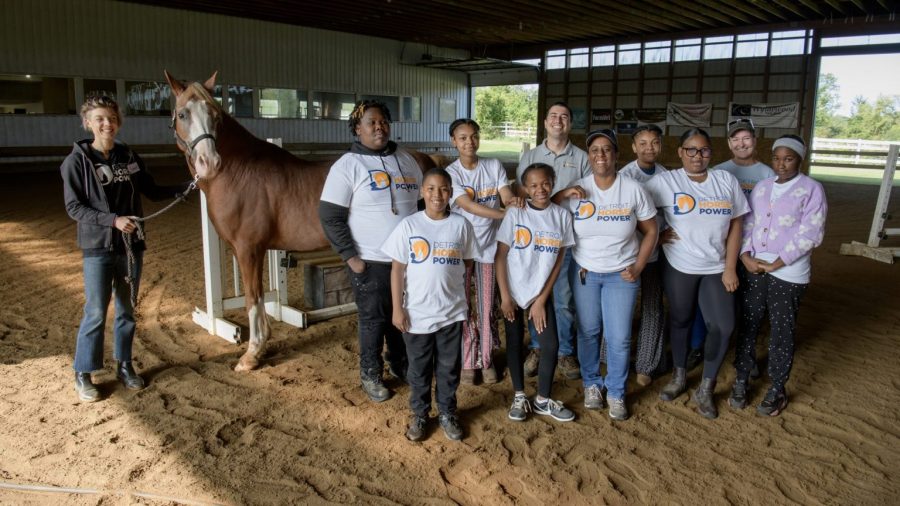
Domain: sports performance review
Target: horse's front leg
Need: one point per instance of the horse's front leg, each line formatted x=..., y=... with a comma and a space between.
x=250, y=261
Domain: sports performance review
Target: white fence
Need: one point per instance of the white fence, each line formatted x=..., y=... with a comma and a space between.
x=850, y=153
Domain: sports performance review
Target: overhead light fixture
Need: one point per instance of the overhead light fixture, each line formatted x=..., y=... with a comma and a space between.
x=27, y=76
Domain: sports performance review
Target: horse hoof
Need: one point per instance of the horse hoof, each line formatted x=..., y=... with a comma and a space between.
x=246, y=363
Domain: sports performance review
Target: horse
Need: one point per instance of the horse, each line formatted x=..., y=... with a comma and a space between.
x=259, y=196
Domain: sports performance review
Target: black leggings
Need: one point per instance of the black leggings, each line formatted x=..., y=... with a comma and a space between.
x=684, y=292
x=515, y=336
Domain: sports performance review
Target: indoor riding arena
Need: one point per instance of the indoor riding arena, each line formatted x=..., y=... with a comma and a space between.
x=298, y=429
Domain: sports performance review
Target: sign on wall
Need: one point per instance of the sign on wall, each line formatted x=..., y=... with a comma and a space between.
x=694, y=115
x=766, y=115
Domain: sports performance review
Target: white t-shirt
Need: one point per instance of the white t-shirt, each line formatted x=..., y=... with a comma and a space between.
x=433, y=251
x=634, y=171
x=748, y=175
x=534, y=237
x=605, y=222
x=800, y=271
x=701, y=214
x=365, y=184
x=482, y=184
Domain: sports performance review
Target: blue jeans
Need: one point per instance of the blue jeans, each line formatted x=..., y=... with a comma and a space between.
x=103, y=277
x=564, y=309
x=604, y=305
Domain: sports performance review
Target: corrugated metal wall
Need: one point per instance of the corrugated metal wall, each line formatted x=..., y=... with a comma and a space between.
x=114, y=40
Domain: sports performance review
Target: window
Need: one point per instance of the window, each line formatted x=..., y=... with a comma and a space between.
x=657, y=52
x=392, y=103
x=752, y=45
x=447, y=112
x=787, y=43
x=148, y=98
x=718, y=48
x=861, y=40
x=687, y=49
x=412, y=109
x=240, y=101
x=630, y=54
x=579, y=58
x=556, y=59
x=326, y=105
x=531, y=61
x=28, y=94
x=282, y=103
x=100, y=87
x=604, y=56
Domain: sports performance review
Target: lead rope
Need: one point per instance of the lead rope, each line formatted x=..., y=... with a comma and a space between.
x=139, y=233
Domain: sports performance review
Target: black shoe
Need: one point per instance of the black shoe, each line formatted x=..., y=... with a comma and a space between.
x=773, y=404
x=703, y=396
x=695, y=358
x=87, y=392
x=373, y=386
x=416, y=430
x=129, y=378
x=451, y=427
x=738, y=399
x=676, y=386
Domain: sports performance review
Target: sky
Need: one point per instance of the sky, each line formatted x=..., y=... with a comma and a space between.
x=866, y=75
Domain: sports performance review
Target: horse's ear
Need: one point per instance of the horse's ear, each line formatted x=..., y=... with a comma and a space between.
x=211, y=82
x=177, y=86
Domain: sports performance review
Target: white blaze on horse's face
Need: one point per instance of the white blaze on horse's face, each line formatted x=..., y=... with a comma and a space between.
x=204, y=156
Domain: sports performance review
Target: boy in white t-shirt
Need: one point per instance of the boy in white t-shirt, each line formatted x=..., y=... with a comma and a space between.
x=531, y=245
x=430, y=252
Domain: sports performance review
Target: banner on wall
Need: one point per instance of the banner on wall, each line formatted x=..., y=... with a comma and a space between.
x=579, y=118
x=629, y=119
x=766, y=115
x=695, y=115
x=602, y=117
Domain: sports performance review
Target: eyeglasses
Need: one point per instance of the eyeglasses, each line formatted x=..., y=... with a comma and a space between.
x=704, y=152
x=740, y=122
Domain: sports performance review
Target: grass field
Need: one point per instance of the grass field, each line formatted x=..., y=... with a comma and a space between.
x=507, y=150
x=852, y=176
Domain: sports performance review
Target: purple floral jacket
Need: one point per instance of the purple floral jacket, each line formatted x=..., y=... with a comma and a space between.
x=792, y=225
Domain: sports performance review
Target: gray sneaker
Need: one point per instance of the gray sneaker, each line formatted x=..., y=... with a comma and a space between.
x=520, y=408
x=554, y=409
x=416, y=429
x=617, y=408
x=373, y=386
x=451, y=427
x=593, y=399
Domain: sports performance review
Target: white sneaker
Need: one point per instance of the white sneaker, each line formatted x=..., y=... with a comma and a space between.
x=617, y=408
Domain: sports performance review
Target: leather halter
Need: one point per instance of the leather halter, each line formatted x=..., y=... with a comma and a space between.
x=189, y=146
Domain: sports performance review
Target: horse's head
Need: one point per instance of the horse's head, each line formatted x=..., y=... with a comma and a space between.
x=194, y=120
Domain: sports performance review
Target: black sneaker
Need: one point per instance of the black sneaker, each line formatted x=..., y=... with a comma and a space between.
x=451, y=427
x=738, y=399
x=127, y=375
x=773, y=404
x=695, y=358
x=416, y=430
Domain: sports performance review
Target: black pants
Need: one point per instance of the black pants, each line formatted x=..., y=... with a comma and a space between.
x=438, y=355
x=685, y=292
x=764, y=292
x=549, y=347
x=372, y=290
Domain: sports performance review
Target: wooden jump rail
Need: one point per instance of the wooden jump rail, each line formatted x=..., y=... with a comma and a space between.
x=878, y=232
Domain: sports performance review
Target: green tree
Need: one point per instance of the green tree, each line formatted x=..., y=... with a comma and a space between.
x=875, y=121
x=828, y=123
x=496, y=105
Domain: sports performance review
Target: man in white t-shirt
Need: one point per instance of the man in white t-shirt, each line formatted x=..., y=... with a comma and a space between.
x=571, y=164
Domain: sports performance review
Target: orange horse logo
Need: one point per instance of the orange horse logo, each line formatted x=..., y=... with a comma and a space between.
x=585, y=210
x=380, y=179
x=470, y=192
x=419, y=249
x=523, y=237
x=684, y=203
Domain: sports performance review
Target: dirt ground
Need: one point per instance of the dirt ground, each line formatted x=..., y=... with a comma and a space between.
x=299, y=430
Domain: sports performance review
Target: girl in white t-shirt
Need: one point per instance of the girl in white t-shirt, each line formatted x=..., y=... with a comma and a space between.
x=647, y=144
x=607, y=263
x=531, y=244
x=703, y=210
x=480, y=186
x=430, y=252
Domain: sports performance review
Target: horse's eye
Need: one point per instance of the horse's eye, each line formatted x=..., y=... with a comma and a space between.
x=181, y=115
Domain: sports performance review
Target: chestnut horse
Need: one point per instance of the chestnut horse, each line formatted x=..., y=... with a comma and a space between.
x=259, y=196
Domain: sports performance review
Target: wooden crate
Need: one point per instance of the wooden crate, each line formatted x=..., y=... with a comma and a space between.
x=325, y=280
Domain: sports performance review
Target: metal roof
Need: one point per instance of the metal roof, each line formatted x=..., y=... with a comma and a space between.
x=504, y=28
